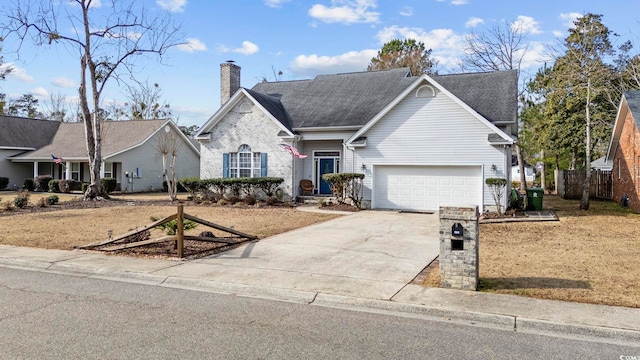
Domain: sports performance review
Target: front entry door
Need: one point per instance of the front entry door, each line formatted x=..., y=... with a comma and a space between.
x=326, y=167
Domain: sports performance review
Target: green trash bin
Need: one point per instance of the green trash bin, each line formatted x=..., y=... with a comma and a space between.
x=534, y=199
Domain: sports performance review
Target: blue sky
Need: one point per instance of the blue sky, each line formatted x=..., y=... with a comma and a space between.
x=303, y=39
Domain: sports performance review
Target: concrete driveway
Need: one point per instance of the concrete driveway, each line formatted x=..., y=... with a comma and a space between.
x=370, y=254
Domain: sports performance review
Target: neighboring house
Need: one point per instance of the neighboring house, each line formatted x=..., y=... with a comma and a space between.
x=529, y=173
x=601, y=164
x=624, y=151
x=421, y=142
x=130, y=152
x=18, y=135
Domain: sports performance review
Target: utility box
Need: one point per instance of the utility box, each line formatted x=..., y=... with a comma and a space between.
x=534, y=199
x=459, y=232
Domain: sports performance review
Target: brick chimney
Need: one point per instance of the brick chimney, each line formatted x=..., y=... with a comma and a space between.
x=229, y=80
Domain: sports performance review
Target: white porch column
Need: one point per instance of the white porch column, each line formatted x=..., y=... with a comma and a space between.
x=35, y=169
x=102, y=170
x=67, y=170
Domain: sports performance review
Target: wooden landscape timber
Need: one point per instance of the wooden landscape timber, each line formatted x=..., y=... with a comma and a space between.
x=178, y=238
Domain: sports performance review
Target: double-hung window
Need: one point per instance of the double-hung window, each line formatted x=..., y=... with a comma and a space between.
x=246, y=163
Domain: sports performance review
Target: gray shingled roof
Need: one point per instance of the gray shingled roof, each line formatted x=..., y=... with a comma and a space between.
x=353, y=99
x=69, y=141
x=633, y=100
x=337, y=100
x=18, y=132
x=494, y=95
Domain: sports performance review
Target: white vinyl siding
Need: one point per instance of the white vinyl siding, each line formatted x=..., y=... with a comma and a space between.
x=431, y=132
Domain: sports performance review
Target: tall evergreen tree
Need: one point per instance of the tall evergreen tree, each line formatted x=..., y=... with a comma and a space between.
x=404, y=53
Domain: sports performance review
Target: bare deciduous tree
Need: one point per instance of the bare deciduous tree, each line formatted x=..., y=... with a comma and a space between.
x=502, y=47
x=107, y=40
x=168, y=145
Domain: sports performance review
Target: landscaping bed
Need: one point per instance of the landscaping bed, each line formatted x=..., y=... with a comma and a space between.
x=76, y=223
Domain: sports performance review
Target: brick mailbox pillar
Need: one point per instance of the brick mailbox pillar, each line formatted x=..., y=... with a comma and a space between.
x=459, y=247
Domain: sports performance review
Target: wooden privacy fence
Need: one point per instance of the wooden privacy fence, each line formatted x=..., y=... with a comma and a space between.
x=569, y=183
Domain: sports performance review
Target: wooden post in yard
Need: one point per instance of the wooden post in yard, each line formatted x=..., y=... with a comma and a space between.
x=180, y=230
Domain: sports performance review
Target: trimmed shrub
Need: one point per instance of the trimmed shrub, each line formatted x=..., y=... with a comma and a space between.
x=28, y=184
x=272, y=200
x=22, y=200
x=222, y=202
x=53, y=186
x=191, y=184
x=496, y=188
x=42, y=182
x=346, y=186
x=67, y=186
x=109, y=185
x=4, y=182
x=52, y=199
x=84, y=187
x=269, y=185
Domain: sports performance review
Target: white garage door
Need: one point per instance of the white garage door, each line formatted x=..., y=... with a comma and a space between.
x=426, y=187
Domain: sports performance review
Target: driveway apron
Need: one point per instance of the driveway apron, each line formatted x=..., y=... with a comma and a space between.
x=370, y=254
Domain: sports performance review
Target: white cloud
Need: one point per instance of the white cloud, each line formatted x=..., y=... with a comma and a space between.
x=406, y=11
x=192, y=45
x=535, y=56
x=39, y=92
x=446, y=44
x=459, y=2
x=526, y=24
x=275, y=3
x=569, y=18
x=473, y=22
x=248, y=48
x=63, y=82
x=311, y=65
x=346, y=12
x=172, y=5
x=17, y=73
x=558, y=33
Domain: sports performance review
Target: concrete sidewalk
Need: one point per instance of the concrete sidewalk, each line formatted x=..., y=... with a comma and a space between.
x=365, y=260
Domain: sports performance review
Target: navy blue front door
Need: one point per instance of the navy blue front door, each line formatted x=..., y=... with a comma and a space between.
x=326, y=167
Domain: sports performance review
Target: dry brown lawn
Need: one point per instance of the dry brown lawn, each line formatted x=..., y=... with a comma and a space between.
x=65, y=229
x=588, y=256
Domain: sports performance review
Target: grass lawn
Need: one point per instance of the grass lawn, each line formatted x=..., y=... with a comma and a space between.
x=65, y=229
x=588, y=256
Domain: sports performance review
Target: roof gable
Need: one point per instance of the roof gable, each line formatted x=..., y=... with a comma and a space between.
x=425, y=79
x=25, y=133
x=117, y=137
x=629, y=102
x=271, y=106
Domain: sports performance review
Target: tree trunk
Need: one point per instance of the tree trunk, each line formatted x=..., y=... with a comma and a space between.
x=543, y=180
x=523, y=175
x=584, y=201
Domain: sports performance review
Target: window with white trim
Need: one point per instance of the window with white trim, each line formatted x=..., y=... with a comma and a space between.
x=75, y=171
x=108, y=170
x=244, y=163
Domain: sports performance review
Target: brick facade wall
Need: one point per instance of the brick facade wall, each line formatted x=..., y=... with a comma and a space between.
x=626, y=164
x=245, y=123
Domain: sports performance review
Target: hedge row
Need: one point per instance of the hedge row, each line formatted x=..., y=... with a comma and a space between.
x=235, y=186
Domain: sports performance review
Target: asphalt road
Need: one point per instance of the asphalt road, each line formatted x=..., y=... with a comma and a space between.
x=50, y=316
